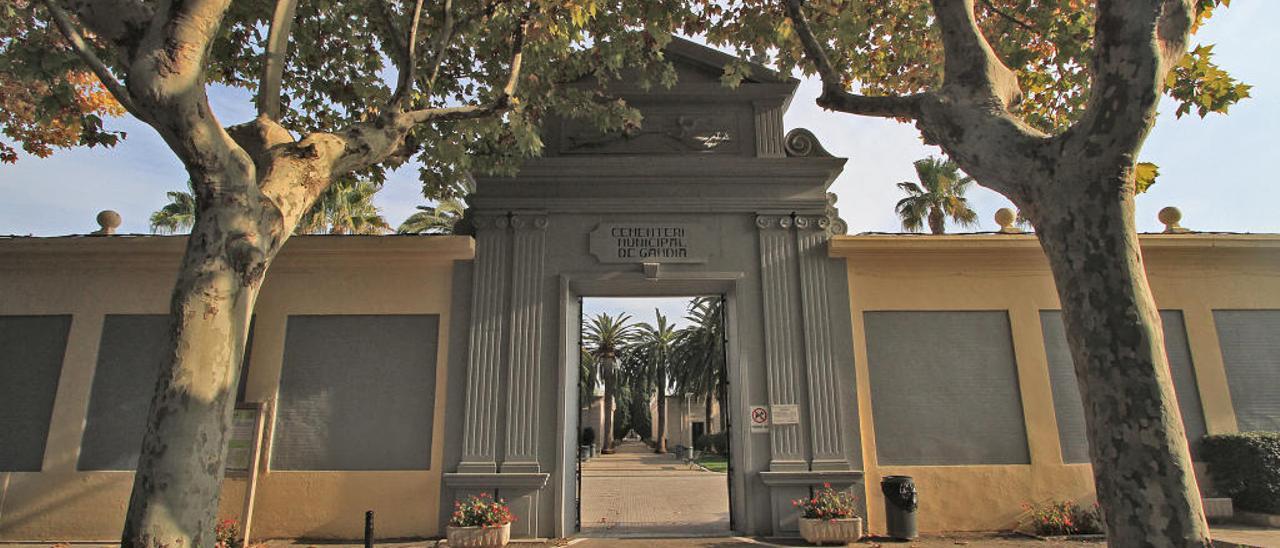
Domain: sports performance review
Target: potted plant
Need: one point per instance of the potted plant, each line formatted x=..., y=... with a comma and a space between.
x=829, y=516
x=480, y=522
x=227, y=534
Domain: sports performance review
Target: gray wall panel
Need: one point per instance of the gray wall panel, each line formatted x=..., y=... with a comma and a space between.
x=357, y=393
x=129, y=357
x=1250, y=341
x=1185, y=386
x=945, y=388
x=1068, y=407
x=31, y=352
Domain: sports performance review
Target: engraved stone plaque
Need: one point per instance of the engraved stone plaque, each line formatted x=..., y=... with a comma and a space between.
x=650, y=242
x=663, y=132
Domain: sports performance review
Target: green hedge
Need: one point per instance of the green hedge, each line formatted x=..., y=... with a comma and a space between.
x=717, y=443
x=1246, y=467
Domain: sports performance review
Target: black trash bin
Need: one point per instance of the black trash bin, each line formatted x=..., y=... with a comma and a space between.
x=899, y=506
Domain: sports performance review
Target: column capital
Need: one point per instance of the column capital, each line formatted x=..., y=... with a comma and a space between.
x=774, y=221
x=486, y=221
x=813, y=222
x=529, y=221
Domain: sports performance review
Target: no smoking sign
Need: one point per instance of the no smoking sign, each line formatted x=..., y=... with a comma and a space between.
x=759, y=415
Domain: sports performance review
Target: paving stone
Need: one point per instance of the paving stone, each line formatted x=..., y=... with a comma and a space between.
x=638, y=492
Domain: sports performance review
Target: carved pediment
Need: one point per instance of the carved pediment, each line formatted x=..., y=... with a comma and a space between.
x=664, y=130
x=698, y=115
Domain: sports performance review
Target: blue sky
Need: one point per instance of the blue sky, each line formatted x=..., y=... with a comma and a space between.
x=1213, y=169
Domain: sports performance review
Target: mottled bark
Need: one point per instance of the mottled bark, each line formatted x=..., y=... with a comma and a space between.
x=180, y=467
x=1141, y=464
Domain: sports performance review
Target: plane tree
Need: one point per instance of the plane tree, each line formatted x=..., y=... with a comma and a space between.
x=342, y=90
x=1046, y=102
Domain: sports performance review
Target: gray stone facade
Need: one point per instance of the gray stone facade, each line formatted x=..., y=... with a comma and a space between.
x=708, y=198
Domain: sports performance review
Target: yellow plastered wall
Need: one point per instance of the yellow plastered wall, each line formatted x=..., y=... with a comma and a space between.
x=90, y=277
x=1194, y=273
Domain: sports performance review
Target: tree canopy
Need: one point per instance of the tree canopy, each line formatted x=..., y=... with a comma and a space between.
x=895, y=47
x=345, y=63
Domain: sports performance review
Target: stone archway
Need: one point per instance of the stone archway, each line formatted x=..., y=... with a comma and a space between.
x=708, y=198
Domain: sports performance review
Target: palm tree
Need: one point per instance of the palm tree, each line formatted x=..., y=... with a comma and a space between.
x=443, y=218
x=655, y=344
x=699, y=364
x=606, y=337
x=942, y=196
x=176, y=216
x=438, y=219
x=346, y=207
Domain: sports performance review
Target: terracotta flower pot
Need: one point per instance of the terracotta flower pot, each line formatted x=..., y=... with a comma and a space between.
x=839, y=531
x=493, y=536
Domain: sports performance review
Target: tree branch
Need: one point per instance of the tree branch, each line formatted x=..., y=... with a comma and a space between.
x=441, y=43
x=409, y=73
x=971, y=67
x=274, y=58
x=100, y=69
x=1010, y=17
x=504, y=100
x=1136, y=43
x=394, y=34
x=834, y=96
x=112, y=20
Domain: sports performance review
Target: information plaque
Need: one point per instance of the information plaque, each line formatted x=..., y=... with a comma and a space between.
x=245, y=430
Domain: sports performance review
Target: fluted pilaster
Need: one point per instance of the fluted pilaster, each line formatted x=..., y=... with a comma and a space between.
x=768, y=124
x=484, y=362
x=778, y=278
x=812, y=234
x=527, y=250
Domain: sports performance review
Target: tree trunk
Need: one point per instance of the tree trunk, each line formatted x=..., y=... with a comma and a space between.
x=937, y=221
x=660, y=444
x=1141, y=465
x=180, y=466
x=706, y=419
x=607, y=408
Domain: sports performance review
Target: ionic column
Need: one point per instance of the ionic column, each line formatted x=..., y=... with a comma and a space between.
x=778, y=278
x=812, y=233
x=524, y=344
x=484, y=361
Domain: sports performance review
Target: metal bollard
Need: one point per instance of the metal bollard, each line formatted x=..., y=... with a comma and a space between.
x=368, y=529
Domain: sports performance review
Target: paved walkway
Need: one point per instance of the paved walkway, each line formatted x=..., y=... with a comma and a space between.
x=636, y=492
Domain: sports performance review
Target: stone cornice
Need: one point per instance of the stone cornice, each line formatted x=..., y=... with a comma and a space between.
x=165, y=252
x=776, y=478
x=845, y=246
x=497, y=480
x=676, y=169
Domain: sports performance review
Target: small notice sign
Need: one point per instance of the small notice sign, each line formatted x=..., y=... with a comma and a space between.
x=786, y=413
x=759, y=416
x=244, y=434
x=649, y=242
